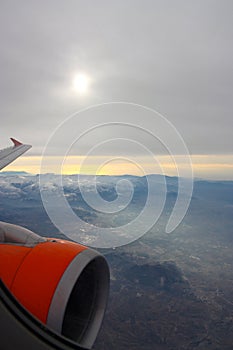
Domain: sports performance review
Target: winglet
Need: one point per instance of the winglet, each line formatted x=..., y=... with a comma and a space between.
x=16, y=143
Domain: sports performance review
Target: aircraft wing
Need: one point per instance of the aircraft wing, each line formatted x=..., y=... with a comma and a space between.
x=20, y=330
x=8, y=155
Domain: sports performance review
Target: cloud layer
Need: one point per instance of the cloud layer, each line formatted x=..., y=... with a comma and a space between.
x=173, y=56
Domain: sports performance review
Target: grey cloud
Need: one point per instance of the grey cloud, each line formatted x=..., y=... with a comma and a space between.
x=173, y=56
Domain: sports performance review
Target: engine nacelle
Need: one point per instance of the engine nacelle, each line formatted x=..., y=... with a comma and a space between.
x=63, y=284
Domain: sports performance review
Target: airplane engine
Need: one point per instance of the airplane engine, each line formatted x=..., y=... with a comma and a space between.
x=63, y=284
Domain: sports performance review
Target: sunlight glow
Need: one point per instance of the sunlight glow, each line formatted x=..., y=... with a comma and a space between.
x=215, y=167
x=81, y=83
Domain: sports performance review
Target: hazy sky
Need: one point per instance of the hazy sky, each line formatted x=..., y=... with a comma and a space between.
x=173, y=56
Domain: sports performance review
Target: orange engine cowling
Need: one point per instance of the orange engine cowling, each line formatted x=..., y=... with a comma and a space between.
x=63, y=284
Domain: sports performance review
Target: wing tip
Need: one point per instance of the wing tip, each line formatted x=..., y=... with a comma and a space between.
x=15, y=142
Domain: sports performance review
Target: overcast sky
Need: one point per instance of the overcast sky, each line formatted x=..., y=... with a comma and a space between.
x=173, y=56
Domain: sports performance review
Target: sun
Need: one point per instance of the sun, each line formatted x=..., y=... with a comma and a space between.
x=81, y=83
